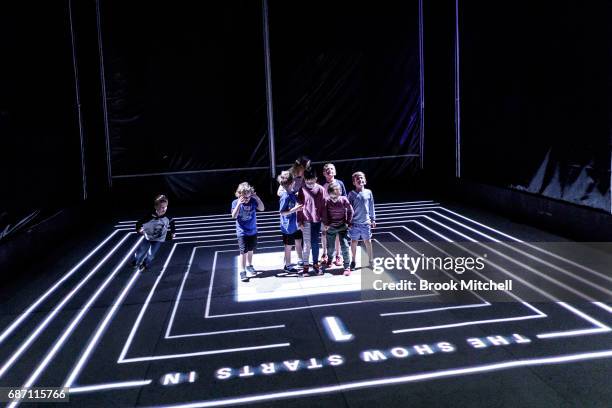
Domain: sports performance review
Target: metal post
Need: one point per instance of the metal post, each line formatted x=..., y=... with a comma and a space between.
x=457, y=97
x=421, y=89
x=109, y=171
x=78, y=104
x=266, y=39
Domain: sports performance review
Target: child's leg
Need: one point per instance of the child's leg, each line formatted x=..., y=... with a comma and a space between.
x=354, y=243
x=368, y=245
x=344, y=247
x=243, y=260
x=298, y=249
x=141, y=252
x=287, y=254
x=324, y=245
x=155, y=245
x=331, y=237
x=250, y=258
x=306, y=240
x=337, y=251
x=315, y=230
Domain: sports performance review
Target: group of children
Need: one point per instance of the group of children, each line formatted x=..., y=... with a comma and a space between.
x=307, y=211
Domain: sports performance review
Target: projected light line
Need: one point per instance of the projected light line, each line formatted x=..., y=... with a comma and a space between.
x=75, y=321
x=276, y=212
x=601, y=328
x=26, y=344
x=146, y=305
x=7, y=332
x=603, y=306
x=176, y=303
x=109, y=386
x=99, y=331
x=567, y=358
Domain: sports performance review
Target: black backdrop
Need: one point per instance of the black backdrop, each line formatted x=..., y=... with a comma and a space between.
x=186, y=90
x=535, y=97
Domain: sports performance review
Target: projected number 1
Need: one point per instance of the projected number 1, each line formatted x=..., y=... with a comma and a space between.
x=336, y=330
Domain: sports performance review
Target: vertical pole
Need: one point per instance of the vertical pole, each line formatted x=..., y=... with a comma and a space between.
x=421, y=89
x=266, y=39
x=109, y=171
x=457, y=97
x=78, y=103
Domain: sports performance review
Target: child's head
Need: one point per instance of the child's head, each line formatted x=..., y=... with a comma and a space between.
x=300, y=165
x=244, y=190
x=285, y=179
x=329, y=171
x=359, y=179
x=310, y=178
x=334, y=191
x=161, y=204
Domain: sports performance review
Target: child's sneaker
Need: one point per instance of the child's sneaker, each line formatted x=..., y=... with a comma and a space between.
x=305, y=270
x=338, y=261
x=300, y=263
x=324, y=260
x=347, y=271
x=290, y=269
x=317, y=268
x=251, y=272
x=352, y=266
x=243, y=276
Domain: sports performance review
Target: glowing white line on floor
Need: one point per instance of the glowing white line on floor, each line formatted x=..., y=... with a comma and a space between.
x=176, y=303
x=109, y=386
x=230, y=224
x=552, y=254
x=24, y=346
x=7, y=332
x=75, y=321
x=603, y=306
x=396, y=380
x=470, y=323
x=144, y=307
x=435, y=309
x=207, y=314
x=279, y=326
x=201, y=353
x=276, y=211
x=99, y=331
x=601, y=328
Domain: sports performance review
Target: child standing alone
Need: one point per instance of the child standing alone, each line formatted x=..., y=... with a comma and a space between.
x=156, y=227
x=244, y=209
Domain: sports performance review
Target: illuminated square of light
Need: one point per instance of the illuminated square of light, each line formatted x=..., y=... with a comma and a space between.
x=269, y=286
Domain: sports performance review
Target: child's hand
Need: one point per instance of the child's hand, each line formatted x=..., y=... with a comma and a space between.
x=301, y=226
x=325, y=227
x=373, y=224
x=297, y=208
x=141, y=230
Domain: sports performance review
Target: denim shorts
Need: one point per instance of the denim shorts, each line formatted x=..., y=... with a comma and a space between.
x=360, y=232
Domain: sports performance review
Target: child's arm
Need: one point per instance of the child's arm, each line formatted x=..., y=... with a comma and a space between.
x=260, y=204
x=172, y=228
x=297, y=208
x=140, y=223
x=349, y=212
x=236, y=209
x=372, y=212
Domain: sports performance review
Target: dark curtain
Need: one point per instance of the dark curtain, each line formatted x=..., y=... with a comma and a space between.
x=346, y=80
x=185, y=86
x=40, y=153
x=535, y=97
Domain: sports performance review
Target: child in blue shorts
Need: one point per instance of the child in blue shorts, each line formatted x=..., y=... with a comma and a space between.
x=364, y=218
x=288, y=207
x=244, y=209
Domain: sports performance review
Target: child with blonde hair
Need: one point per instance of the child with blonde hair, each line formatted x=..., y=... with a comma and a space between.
x=244, y=209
